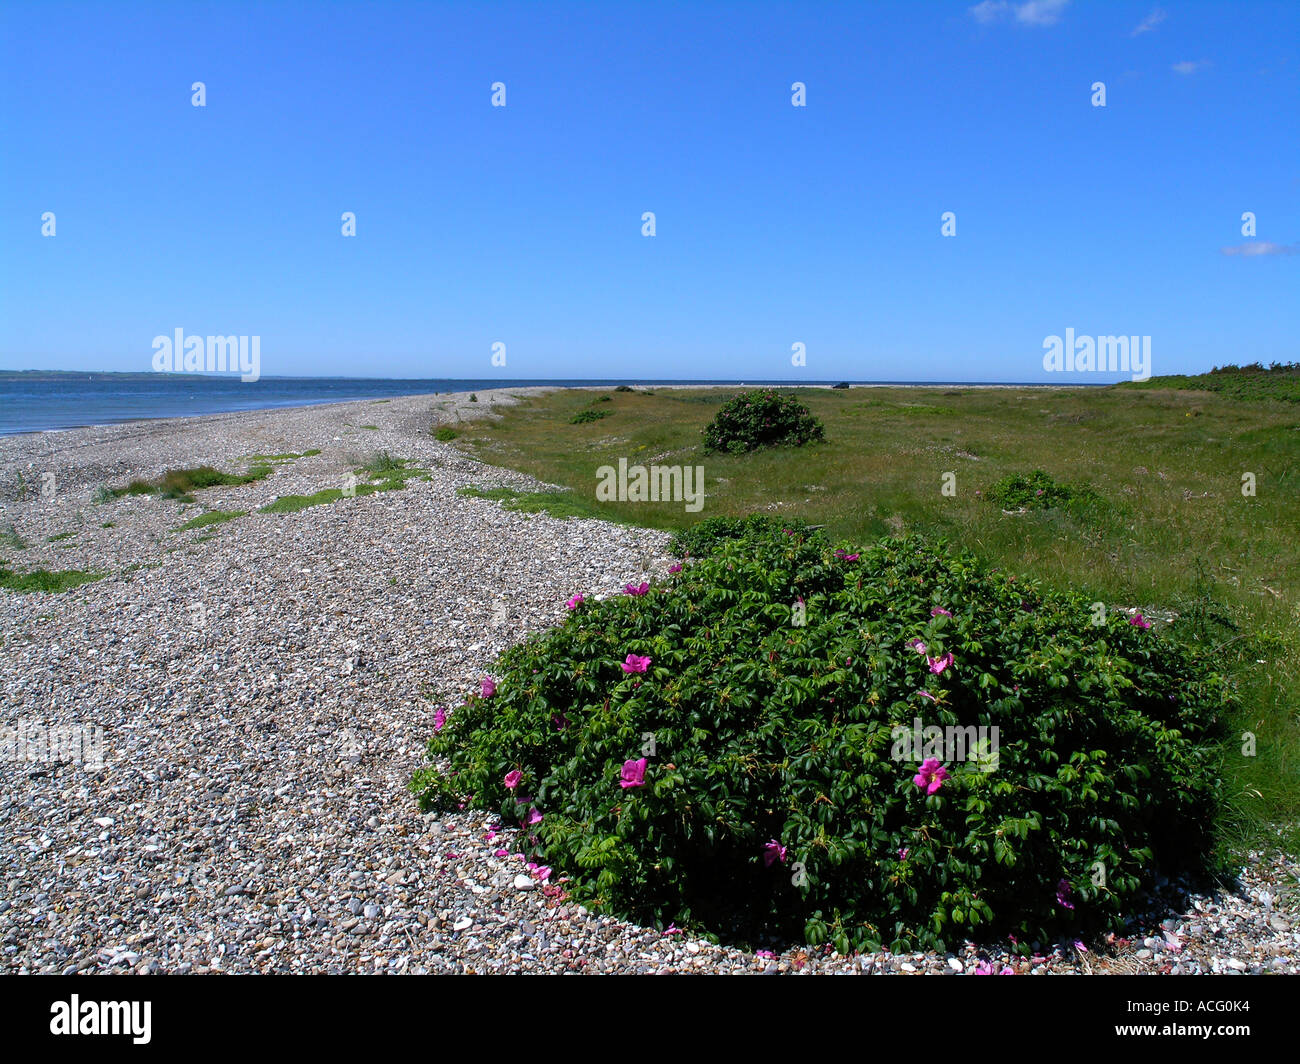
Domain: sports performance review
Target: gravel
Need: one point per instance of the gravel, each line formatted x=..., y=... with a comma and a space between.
x=265, y=688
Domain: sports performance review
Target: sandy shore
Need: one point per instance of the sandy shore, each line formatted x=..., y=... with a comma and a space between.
x=265, y=686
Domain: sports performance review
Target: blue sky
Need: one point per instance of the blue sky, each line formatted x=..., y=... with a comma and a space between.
x=775, y=224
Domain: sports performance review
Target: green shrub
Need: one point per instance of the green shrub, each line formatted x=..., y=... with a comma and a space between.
x=583, y=416
x=445, y=434
x=703, y=537
x=1037, y=491
x=762, y=418
x=770, y=735
x=624, y=388
x=473, y=398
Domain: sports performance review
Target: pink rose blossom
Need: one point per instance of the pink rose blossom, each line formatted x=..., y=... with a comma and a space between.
x=512, y=778
x=636, y=663
x=931, y=776
x=937, y=665
x=636, y=589
x=575, y=602
x=633, y=774
x=1139, y=621
x=772, y=852
x=488, y=687
x=439, y=718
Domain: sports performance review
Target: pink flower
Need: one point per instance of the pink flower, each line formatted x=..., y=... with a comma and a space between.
x=1139, y=621
x=512, y=778
x=917, y=645
x=633, y=774
x=561, y=722
x=500, y=853
x=488, y=687
x=1063, y=891
x=983, y=968
x=636, y=589
x=902, y=854
x=636, y=663
x=673, y=929
x=931, y=776
x=926, y=694
x=1080, y=946
x=575, y=602
x=937, y=665
x=490, y=836
x=1007, y=970
x=845, y=556
x=542, y=872
x=439, y=718
x=676, y=567
x=772, y=852
x=766, y=954
x=939, y=611
x=534, y=817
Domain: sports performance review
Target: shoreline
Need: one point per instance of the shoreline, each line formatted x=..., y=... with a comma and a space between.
x=539, y=387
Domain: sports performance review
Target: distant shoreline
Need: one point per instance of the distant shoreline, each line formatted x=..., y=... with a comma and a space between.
x=53, y=401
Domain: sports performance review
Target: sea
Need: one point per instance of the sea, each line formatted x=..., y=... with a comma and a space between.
x=38, y=402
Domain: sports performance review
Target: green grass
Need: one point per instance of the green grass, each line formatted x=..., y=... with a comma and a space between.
x=180, y=484
x=1159, y=522
x=384, y=472
x=44, y=580
x=10, y=538
x=59, y=536
x=212, y=517
x=445, y=434
x=1281, y=381
x=555, y=503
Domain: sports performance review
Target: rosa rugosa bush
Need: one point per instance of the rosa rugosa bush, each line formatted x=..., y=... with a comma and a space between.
x=696, y=755
x=761, y=418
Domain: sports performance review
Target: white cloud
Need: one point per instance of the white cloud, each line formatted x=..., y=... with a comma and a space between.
x=1030, y=13
x=1149, y=23
x=1188, y=66
x=1260, y=247
x=1041, y=12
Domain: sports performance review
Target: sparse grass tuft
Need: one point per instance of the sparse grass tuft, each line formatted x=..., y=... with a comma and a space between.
x=212, y=517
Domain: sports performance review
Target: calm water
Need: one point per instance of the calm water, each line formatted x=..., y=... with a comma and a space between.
x=32, y=404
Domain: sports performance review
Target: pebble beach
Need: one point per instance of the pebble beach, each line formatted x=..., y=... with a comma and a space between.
x=265, y=687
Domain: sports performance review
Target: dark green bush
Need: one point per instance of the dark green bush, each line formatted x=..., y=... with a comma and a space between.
x=1037, y=491
x=762, y=418
x=758, y=730
x=703, y=537
x=445, y=434
x=624, y=388
x=583, y=416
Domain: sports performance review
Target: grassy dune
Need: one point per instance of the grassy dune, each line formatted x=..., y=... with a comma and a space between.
x=1170, y=531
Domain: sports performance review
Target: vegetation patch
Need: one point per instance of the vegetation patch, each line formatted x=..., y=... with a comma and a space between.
x=562, y=504
x=180, y=484
x=582, y=417
x=10, y=538
x=212, y=517
x=762, y=418
x=1037, y=491
x=445, y=434
x=44, y=580
x=1278, y=380
x=383, y=472
x=690, y=753
x=58, y=536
